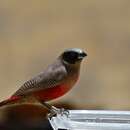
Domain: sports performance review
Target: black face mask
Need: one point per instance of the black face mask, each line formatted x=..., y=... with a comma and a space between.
x=70, y=57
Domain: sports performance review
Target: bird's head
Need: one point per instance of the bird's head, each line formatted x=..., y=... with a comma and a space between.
x=73, y=56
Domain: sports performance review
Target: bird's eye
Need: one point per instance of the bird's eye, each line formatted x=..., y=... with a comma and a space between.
x=70, y=57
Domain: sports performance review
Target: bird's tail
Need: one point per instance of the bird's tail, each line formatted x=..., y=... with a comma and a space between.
x=9, y=101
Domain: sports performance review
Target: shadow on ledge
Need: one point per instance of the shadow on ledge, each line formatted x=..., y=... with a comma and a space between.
x=27, y=117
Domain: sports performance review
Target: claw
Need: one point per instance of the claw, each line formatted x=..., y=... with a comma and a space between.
x=64, y=112
x=55, y=111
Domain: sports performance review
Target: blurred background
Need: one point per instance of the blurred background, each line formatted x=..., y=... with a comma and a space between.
x=34, y=32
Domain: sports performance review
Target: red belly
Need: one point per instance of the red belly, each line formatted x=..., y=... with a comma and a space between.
x=51, y=93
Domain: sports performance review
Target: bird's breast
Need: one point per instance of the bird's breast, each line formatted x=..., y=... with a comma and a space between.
x=55, y=91
x=52, y=93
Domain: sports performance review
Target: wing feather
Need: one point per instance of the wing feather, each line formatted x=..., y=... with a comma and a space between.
x=54, y=75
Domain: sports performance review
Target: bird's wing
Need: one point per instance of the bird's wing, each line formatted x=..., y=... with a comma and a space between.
x=53, y=76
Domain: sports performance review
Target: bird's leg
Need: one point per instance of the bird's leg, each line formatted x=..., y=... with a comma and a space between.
x=50, y=107
x=54, y=111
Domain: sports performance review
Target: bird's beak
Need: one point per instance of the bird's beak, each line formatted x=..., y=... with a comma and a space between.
x=82, y=55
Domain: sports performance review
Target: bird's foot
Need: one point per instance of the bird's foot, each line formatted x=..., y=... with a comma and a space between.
x=58, y=111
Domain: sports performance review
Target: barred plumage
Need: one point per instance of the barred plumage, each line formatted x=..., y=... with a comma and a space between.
x=44, y=80
x=25, y=86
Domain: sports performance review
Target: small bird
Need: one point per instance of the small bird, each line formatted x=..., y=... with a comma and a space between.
x=52, y=83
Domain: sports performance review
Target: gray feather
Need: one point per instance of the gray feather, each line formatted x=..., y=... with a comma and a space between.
x=52, y=76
